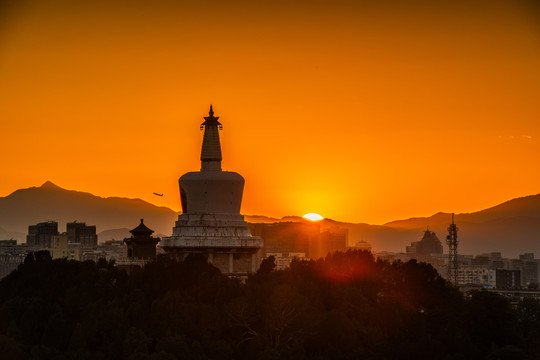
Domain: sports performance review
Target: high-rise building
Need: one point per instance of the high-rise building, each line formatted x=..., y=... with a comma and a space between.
x=330, y=240
x=508, y=279
x=529, y=268
x=529, y=273
x=79, y=233
x=430, y=244
x=211, y=223
x=285, y=237
x=40, y=235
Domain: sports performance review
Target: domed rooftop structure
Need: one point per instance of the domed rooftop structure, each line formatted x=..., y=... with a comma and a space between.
x=211, y=223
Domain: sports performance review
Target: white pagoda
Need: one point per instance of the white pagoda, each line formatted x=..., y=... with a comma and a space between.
x=211, y=223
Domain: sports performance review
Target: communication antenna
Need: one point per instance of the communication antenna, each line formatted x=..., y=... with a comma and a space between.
x=451, y=240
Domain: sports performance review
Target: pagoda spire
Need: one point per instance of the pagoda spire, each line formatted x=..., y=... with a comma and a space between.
x=211, y=120
x=211, y=147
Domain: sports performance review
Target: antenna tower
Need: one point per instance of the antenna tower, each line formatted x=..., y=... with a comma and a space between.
x=451, y=240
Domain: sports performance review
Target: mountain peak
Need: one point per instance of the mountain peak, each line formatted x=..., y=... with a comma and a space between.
x=49, y=185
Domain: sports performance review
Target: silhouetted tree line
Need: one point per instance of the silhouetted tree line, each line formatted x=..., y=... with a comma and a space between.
x=345, y=306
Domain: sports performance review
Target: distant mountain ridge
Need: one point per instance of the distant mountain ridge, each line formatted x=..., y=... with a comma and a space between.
x=527, y=206
x=512, y=227
x=50, y=202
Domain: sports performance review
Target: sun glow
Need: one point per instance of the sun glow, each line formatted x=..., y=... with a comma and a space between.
x=313, y=217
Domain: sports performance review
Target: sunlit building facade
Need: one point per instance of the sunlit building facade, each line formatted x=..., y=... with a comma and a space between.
x=60, y=248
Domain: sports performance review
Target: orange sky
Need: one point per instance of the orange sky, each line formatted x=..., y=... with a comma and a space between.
x=360, y=111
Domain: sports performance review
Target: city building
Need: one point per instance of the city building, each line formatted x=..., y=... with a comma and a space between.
x=92, y=255
x=529, y=269
x=508, y=279
x=440, y=263
x=11, y=255
x=430, y=250
x=211, y=223
x=81, y=234
x=299, y=239
x=481, y=260
x=40, y=235
x=286, y=240
x=331, y=240
x=115, y=250
x=283, y=260
x=391, y=257
x=285, y=237
x=496, y=261
x=60, y=248
x=72, y=244
x=141, y=245
x=422, y=250
x=476, y=274
x=362, y=245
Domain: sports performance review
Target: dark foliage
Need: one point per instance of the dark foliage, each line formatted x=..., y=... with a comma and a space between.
x=346, y=306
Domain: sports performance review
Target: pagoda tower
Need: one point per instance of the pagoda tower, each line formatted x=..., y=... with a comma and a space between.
x=141, y=244
x=211, y=223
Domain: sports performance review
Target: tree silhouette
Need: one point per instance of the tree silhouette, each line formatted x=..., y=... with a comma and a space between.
x=347, y=305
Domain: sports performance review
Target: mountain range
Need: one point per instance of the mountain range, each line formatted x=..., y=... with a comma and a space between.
x=512, y=227
x=50, y=202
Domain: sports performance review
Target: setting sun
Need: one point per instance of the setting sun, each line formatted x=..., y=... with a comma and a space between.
x=313, y=217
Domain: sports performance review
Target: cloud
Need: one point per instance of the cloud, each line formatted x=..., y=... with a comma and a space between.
x=513, y=137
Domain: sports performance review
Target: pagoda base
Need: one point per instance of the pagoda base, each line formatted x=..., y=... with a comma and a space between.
x=223, y=239
x=230, y=262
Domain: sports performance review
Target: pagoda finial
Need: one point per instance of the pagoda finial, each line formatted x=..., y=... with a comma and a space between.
x=211, y=119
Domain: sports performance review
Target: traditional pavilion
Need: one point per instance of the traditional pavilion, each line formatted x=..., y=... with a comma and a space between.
x=141, y=245
x=211, y=223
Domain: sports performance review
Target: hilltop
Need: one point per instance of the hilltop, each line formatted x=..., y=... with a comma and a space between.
x=50, y=202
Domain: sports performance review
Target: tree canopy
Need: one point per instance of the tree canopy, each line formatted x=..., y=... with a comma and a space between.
x=345, y=306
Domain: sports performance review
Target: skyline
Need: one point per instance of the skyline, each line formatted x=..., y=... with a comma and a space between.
x=353, y=111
